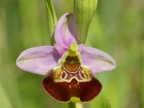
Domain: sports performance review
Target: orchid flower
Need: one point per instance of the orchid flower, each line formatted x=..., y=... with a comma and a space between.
x=69, y=66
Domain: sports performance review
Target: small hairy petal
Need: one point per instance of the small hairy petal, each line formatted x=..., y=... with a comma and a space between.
x=65, y=32
x=97, y=60
x=60, y=49
x=38, y=60
x=81, y=46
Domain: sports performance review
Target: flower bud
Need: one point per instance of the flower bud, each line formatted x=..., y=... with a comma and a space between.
x=84, y=11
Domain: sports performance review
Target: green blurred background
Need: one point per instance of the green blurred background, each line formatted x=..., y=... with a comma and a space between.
x=117, y=28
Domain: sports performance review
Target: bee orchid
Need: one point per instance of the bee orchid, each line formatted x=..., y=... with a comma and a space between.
x=68, y=66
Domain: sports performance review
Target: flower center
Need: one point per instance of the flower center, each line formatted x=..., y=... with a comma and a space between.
x=71, y=57
x=72, y=63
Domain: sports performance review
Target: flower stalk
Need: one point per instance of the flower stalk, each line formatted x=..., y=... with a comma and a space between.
x=71, y=105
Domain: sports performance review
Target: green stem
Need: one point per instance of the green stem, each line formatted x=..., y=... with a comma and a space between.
x=71, y=105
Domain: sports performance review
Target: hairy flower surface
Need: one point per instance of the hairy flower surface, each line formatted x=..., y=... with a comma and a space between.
x=69, y=67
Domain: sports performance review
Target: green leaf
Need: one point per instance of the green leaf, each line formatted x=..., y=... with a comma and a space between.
x=108, y=104
x=52, y=20
x=5, y=102
x=84, y=11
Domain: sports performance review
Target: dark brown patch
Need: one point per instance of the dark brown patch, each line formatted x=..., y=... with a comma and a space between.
x=63, y=91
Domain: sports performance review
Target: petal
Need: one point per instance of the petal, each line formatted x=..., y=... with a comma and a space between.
x=60, y=49
x=38, y=60
x=65, y=32
x=97, y=60
x=80, y=47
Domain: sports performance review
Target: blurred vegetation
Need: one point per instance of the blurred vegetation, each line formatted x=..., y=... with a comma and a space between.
x=117, y=28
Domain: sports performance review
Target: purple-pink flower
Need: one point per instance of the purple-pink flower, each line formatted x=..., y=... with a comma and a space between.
x=68, y=65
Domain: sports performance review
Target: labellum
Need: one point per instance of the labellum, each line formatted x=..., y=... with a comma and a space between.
x=71, y=81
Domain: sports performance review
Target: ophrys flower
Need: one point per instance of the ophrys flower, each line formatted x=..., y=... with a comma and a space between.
x=69, y=67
